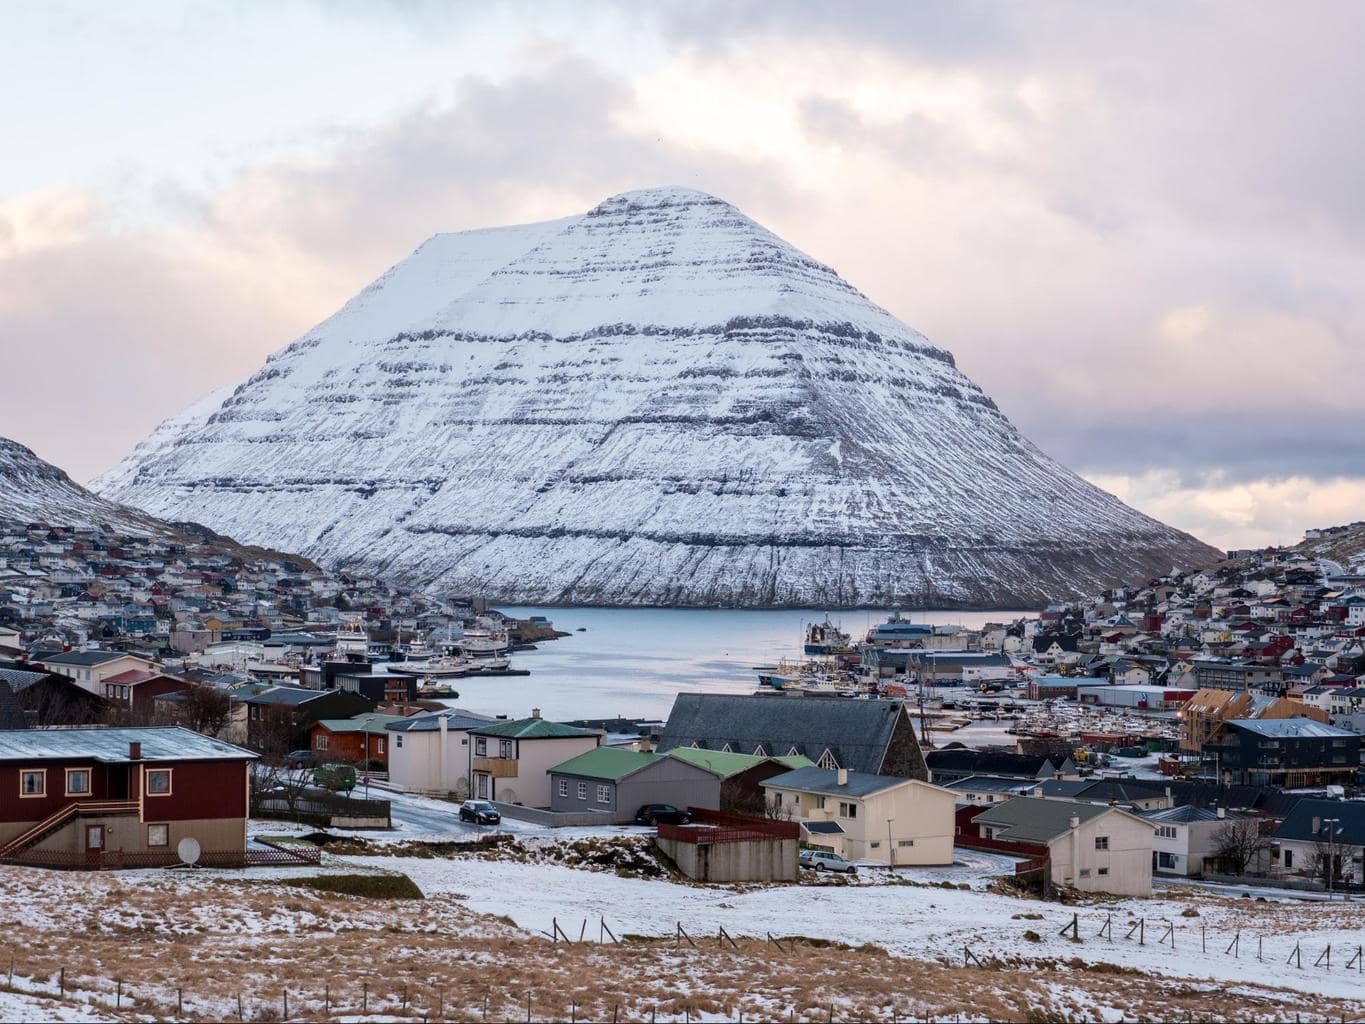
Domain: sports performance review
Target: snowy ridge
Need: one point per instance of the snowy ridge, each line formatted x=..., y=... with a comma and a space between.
x=32, y=490
x=657, y=402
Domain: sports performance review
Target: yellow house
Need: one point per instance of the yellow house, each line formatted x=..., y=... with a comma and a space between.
x=860, y=816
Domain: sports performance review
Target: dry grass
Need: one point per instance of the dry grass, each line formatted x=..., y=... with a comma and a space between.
x=215, y=938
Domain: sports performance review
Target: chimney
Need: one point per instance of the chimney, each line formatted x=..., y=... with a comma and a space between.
x=1222, y=813
x=535, y=712
x=1074, y=821
x=134, y=751
x=842, y=777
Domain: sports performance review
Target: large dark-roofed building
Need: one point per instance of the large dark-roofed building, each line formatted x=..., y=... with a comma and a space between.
x=876, y=737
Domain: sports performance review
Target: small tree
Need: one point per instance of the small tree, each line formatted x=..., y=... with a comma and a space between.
x=206, y=709
x=776, y=810
x=1239, y=844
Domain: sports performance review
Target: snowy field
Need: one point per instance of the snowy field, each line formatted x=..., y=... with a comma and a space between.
x=909, y=915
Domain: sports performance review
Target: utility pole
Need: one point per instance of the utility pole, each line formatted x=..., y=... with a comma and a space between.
x=1330, y=824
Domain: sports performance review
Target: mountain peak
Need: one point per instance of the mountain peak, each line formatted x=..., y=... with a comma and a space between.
x=656, y=402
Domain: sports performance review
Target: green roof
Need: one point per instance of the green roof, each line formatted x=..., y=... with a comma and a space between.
x=531, y=729
x=725, y=764
x=369, y=722
x=607, y=763
x=1030, y=819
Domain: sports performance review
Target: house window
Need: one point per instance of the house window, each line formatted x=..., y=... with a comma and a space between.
x=793, y=752
x=759, y=751
x=827, y=761
x=796, y=799
x=1104, y=871
x=158, y=782
x=158, y=835
x=379, y=745
x=848, y=810
x=504, y=748
x=876, y=844
x=726, y=749
x=604, y=794
x=398, y=741
x=563, y=787
x=1101, y=842
x=33, y=782
x=320, y=741
x=1288, y=858
x=480, y=746
x=905, y=842
x=1085, y=872
x=819, y=803
x=78, y=782
x=582, y=791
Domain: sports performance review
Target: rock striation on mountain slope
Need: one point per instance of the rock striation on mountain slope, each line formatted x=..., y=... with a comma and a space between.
x=657, y=402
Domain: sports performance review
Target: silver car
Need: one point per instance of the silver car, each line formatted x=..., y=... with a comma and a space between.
x=826, y=860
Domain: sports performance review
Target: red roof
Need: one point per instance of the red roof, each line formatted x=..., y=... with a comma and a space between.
x=132, y=677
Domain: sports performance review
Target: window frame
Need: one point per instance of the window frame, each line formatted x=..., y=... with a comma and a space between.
x=166, y=831
x=582, y=791
x=147, y=782
x=1102, y=842
x=603, y=793
x=42, y=790
x=89, y=781
x=506, y=750
x=562, y=788
x=480, y=746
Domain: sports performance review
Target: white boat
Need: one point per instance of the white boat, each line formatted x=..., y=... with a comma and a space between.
x=483, y=643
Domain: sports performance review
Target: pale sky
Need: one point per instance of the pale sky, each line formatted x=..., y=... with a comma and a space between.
x=1140, y=227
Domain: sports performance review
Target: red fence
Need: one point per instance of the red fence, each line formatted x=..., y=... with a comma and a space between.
x=114, y=860
x=1000, y=846
x=725, y=827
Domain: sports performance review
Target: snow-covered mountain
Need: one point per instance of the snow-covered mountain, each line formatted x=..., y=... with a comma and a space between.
x=657, y=402
x=32, y=490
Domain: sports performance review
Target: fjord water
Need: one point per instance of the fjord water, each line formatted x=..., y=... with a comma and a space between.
x=631, y=661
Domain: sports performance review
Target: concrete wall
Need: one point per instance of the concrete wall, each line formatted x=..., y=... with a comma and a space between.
x=666, y=781
x=1127, y=862
x=751, y=860
x=554, y=819
x=428, y=762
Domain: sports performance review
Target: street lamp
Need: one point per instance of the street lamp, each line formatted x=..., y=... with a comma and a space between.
x=1332, y=832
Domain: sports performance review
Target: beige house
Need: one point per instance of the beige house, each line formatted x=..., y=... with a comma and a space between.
x=430, y=753
x=89, y=669
x=510, y=760
x=860, y=816
x=1091, y=847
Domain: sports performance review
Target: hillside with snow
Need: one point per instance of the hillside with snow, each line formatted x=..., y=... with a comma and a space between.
x=656, y=402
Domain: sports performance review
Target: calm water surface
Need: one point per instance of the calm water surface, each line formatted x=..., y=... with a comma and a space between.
x=630, y=662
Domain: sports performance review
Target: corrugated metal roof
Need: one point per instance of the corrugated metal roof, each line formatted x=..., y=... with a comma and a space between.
x=456, y=721
x=167, y=743
x=725, y=764
x=1290, y=728
x=826, y=781
x=609, y=763
x=1029, y=819
x=531, y=729
x=370, y=722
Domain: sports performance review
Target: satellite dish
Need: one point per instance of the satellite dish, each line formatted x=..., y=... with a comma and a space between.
x=188, y=851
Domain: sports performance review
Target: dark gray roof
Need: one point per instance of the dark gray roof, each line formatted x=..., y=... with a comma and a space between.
x=989, y=762
x=1298, y=824
x=19, y=679
x=1029, y=819
x=11, y=714
x=1064, y=787
x=455, y=722
x=1290, y=728
x=826, y=781
x=170, y=743
x=84, y=658
x=291, y=695
x=856, y=732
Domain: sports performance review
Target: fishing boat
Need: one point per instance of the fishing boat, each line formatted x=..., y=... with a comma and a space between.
x=825, y=638
x=483, y=643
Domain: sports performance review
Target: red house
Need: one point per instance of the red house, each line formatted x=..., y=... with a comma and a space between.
x=120, y=797
x=136, y=689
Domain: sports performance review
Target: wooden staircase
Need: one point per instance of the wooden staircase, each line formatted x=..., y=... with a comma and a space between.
x=61, y=817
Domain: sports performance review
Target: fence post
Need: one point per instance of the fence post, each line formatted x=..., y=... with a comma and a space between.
x=1235, y=946
x=61, y=982
x=180, y=1002
x=364, y=997
x=1298, y=953
x=286, y=1004
x=1326, y=954
x=327, y=999
x=528, y=1008
x=405, y=995
x=241, y=1014
x=584, y=930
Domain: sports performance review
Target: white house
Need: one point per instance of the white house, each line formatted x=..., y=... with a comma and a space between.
x=89, y=669
x=1091, y=847
x=430, y=753
x=1184, y=838
x=861, y=816
x=510, y=760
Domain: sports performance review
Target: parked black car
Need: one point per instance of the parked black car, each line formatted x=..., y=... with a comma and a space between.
x=302, y=759
x=655, y=814
x=480, y=812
